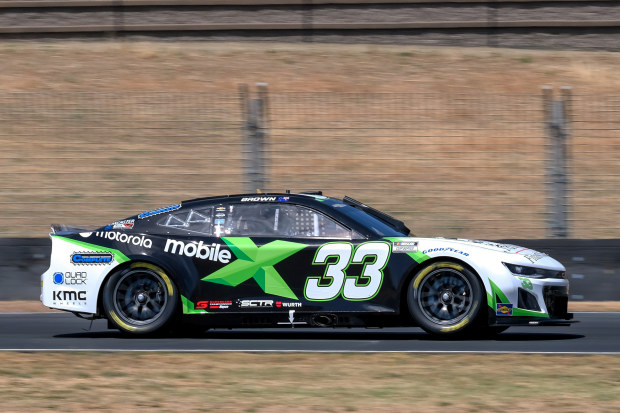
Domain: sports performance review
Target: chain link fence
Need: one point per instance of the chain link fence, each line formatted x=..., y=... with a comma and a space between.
x=453, y=165
x=88, y=158
x=449, y=165
x=594, y=166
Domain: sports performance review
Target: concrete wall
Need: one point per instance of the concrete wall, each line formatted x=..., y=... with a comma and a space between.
x=593, y=266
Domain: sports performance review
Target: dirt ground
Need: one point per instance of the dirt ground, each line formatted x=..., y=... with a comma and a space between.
x=204, y=66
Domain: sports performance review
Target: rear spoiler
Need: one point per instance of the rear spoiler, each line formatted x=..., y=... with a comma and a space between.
x=66, y=229
x=381, y=216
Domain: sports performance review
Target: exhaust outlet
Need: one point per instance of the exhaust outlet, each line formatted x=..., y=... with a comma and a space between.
x=324, y=320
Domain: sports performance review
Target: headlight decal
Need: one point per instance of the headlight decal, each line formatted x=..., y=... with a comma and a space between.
x=533, y=272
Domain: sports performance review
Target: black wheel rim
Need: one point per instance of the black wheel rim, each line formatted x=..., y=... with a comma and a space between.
x=445, y=296
x=140, y=297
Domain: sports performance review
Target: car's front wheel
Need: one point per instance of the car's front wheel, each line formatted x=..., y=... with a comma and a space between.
x=445, y=298
x=140, y=299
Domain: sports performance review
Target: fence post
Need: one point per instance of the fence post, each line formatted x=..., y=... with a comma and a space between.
x=307, y=20
x=557, y=115
x=492, y=18
x=254, y=135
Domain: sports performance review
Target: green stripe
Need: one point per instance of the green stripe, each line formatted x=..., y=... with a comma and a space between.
x=118, y=256
x=496, y=292
x=418, y=256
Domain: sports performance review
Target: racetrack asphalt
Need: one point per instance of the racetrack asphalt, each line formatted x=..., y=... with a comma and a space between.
x=596, y=333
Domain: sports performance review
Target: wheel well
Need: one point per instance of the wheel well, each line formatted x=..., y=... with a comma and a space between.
x=404, y=306
x=121, y=267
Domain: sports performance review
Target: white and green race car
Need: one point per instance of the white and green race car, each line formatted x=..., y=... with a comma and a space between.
x=292, y=260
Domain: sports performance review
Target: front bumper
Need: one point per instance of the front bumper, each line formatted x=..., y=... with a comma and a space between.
x=529, y=321
x=547, y=308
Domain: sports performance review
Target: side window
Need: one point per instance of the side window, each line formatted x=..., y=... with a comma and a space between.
x=241, y=220
x=277, y=219
x=300, y=221
x=194, y=220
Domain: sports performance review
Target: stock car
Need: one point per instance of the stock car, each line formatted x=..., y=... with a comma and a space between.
x=295, y=260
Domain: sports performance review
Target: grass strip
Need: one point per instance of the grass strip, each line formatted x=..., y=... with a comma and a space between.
x=243, y=382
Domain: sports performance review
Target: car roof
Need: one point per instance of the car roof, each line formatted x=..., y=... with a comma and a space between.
x=307, y=196
x=314, y=199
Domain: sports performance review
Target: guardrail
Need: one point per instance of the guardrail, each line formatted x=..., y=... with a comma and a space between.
x=509, y=23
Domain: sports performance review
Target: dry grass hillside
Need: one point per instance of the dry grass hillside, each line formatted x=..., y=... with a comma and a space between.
x=497, y=141
x=202, y=66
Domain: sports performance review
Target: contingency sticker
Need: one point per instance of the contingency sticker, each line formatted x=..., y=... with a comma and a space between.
x=405, y=246
x=503, y=309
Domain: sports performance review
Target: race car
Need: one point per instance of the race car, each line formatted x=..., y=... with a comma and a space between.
x=295, y=260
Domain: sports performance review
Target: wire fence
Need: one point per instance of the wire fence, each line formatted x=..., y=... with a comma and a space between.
x=87, y=158
x=453, y=165
x=594, y=181
x=450, y=165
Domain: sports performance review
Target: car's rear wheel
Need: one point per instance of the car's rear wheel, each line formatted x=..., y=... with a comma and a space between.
x=140, y=299
x=445, y=298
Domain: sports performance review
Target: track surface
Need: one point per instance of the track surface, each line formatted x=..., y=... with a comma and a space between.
x=595, y=333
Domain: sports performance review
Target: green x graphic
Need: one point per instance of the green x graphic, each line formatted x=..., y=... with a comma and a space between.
x=257, y=263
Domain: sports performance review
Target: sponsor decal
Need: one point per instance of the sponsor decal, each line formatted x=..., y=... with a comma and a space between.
x=280, y=304
x=220, y=215
x=219, y=221
x=255, y=303
x=445, y=249
x=159, y=211
x=535, y=256
x=283, y=199
x=139, y=241
x=526, y=283
x=59, y=278
x=213, y=304
x=70, y=278
x=257, y=263
x=198, y=250
x=505, y=247
x=405, y=246
x=259, y=199
x=69, y=295
x=91, y=258
x=85, y=234
x=125, y=224
x=503, y=309
x=220, y=208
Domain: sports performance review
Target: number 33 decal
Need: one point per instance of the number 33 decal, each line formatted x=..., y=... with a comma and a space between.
x=336, y=282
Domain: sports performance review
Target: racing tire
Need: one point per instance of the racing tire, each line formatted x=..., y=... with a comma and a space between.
x=445, y=298
x=140, y=299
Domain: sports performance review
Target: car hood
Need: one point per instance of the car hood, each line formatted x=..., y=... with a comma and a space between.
x=513, y=253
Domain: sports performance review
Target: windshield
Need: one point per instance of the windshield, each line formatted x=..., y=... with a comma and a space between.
x=382, y=229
